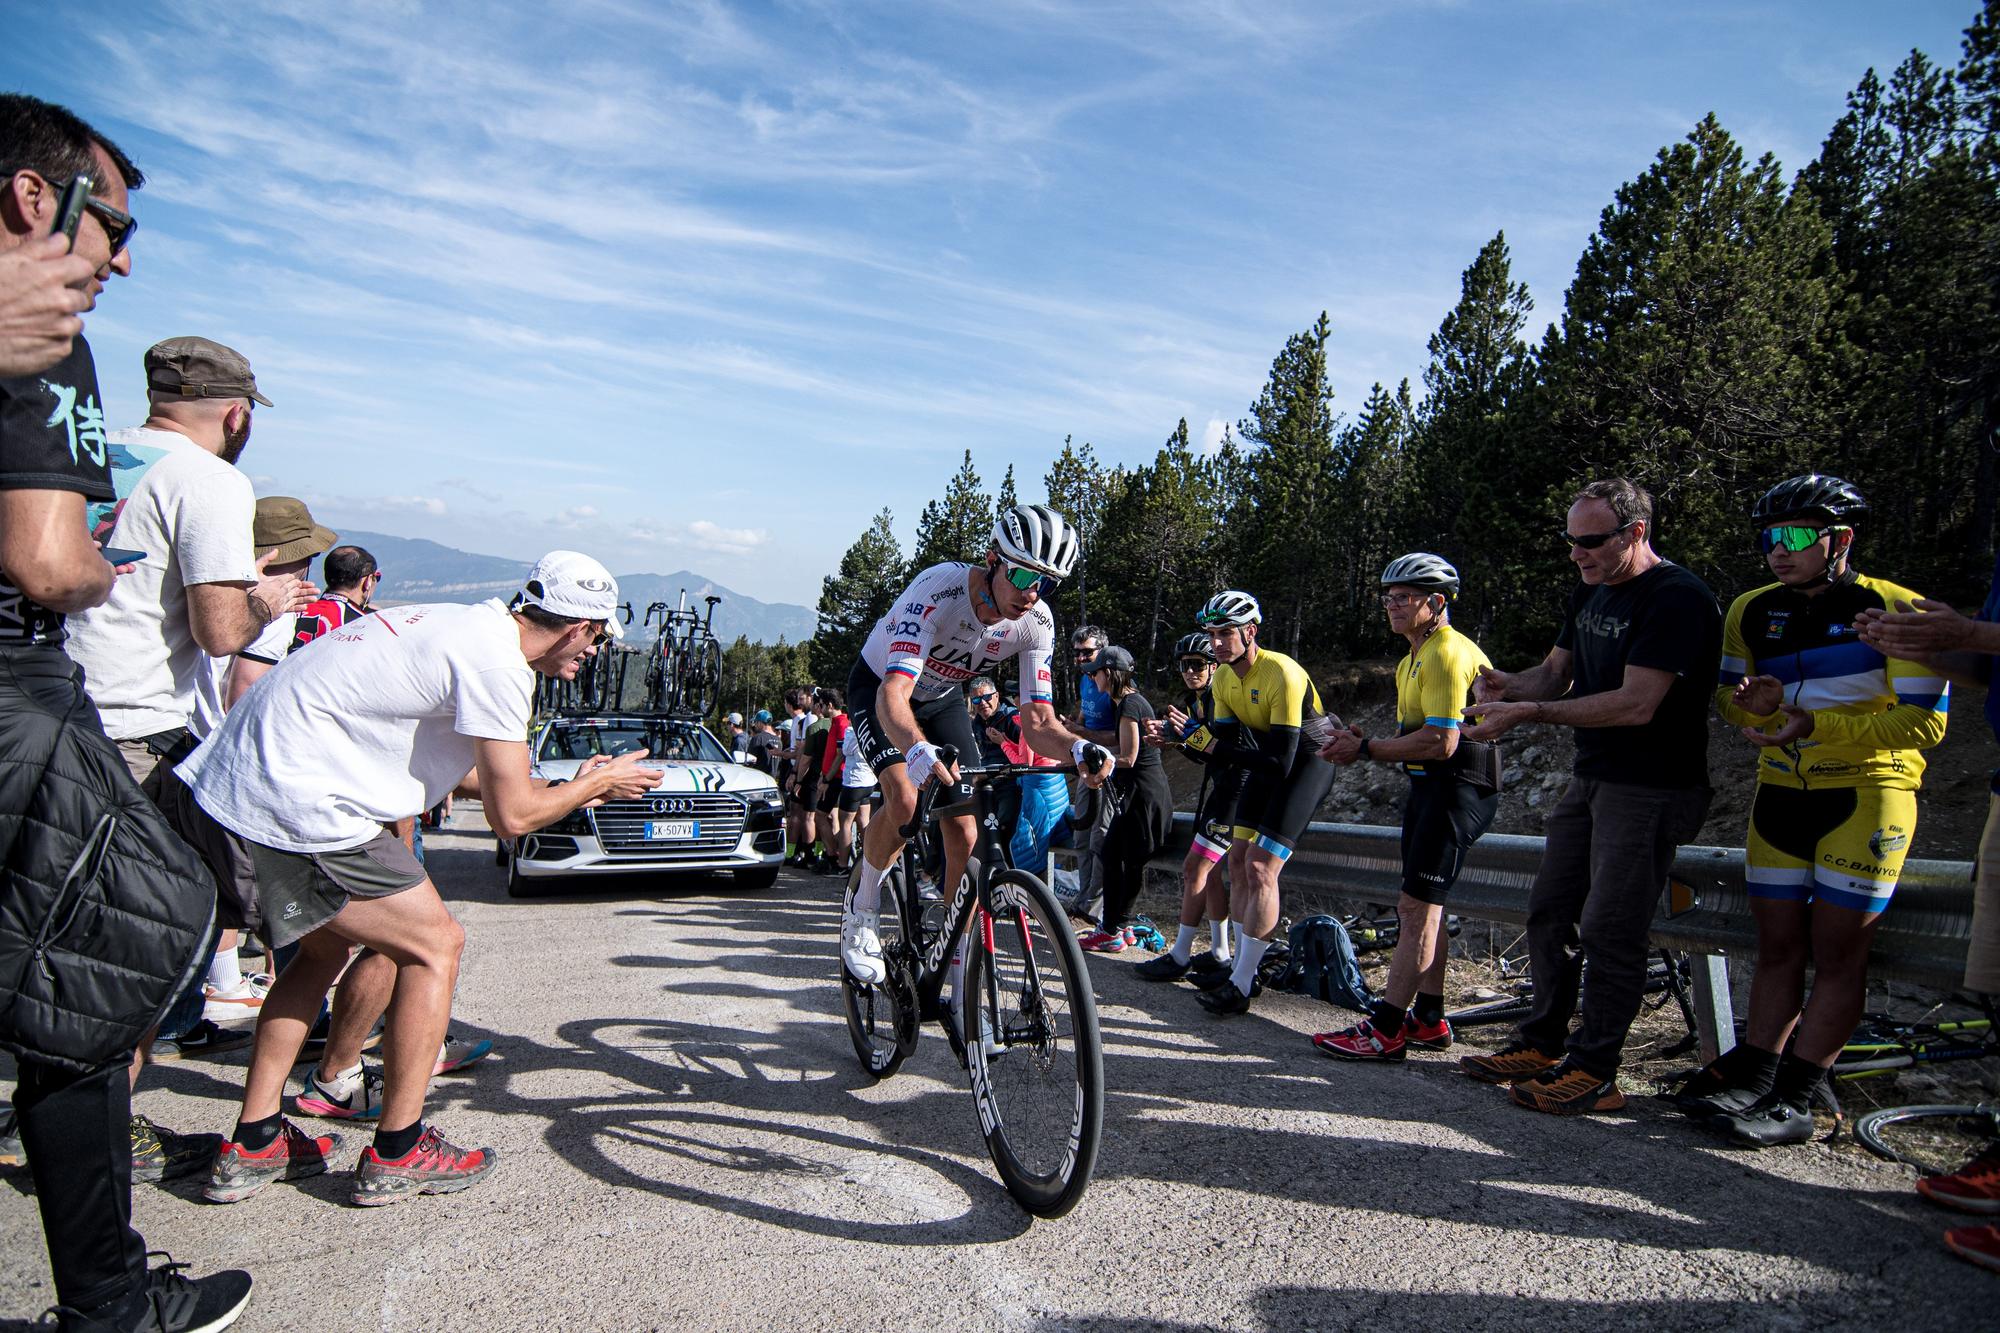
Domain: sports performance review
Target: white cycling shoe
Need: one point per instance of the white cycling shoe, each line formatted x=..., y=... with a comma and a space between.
x=861, y=947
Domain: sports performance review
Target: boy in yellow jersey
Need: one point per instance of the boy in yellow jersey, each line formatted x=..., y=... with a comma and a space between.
x=1262, y=701
x=1454, y=793
x=1840, y=730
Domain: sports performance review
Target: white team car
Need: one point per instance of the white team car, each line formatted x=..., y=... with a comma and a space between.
x=709, y=813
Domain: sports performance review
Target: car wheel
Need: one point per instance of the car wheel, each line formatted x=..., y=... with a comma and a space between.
x=763, y=877
x=520, y=886
x=499, y=851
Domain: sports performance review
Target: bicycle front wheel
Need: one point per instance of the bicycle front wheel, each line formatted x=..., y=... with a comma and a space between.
x=1033, y=1050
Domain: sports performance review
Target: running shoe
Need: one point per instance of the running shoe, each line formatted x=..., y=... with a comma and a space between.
x=1360, y=1042
x=1568, y=1090
x=203, y=1039
x=1979, y=1245
x=357, y=1098
x=161, y=1154
x=861, y=947
x=1516, y=1060
x=1430, y=1037
x=1163, y=968
x=239, y=1173
x=1103, y=941
x=456, y=1055
x=1142, y=934
x=243, y=999
x=1973, y=1188
x=167, y=1300
x=12, y=1151
x=1226, y=999
x=434, y=1166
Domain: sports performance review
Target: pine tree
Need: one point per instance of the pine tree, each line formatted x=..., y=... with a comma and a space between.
x=851, y=601
x=1078, y=488
x=959, y=527
x=1006, y=499
x=1700, y=346
x=1281, y=515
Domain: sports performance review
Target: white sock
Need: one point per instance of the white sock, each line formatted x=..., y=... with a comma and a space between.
x=1249, y=953
x=1184, y=945
x=868, y=888
x=224, y=973
x=1218, y=934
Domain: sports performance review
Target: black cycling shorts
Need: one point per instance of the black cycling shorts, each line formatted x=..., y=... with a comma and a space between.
x=830, y=798
x=943, y=721
x=1273, y=812
x=853, y=798
x=1441, y=821
x=1217, y=816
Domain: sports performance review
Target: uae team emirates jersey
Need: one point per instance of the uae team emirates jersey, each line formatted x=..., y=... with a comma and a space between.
x=931, y=635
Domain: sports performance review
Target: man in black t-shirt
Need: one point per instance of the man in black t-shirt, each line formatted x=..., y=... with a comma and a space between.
x=1632, y=670
x=75, y=1125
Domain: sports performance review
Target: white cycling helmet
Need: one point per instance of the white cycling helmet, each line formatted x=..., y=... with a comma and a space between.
x=1229, y=608
x=1037, y=537
x=1421, y=569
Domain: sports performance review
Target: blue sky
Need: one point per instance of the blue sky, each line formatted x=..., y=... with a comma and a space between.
x=704, y=285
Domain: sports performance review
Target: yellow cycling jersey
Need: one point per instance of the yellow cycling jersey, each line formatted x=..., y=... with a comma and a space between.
x=1434, y=684
x=1873, y=716
x=1276, y=692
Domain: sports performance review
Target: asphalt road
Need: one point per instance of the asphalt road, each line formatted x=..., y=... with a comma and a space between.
x=687, y=1142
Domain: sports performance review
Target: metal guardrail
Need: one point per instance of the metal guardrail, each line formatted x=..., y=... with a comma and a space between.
x=1922, y=939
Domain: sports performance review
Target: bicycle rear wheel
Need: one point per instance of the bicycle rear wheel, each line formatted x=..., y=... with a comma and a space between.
x=1033, y=1051
x=882, y=1020
x=1505, y=1010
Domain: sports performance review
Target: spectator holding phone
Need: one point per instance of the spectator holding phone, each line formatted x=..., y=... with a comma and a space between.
x=74, y=1114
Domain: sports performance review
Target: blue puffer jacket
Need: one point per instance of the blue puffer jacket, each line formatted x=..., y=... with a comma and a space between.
x=104, y=912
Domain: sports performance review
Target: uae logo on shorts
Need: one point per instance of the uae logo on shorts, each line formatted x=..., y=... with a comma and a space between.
x=1885, y=842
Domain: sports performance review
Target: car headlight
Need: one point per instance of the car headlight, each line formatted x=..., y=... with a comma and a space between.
x=767, y=799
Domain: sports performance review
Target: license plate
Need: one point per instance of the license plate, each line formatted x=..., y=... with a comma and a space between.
x=663, y=829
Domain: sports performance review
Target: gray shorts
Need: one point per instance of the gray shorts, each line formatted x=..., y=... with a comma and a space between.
x=226, y=854
x=299, y=892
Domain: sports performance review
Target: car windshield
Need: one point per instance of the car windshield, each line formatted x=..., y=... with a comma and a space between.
x=585, y=738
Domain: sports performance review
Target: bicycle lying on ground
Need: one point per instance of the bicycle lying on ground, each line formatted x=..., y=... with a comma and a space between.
x=1023, y=1017
x=1669, y=977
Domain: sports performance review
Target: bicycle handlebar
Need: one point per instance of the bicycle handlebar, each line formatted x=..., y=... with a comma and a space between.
x=976, y=777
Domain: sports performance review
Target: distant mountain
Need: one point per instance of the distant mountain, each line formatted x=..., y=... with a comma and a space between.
x=415, y=570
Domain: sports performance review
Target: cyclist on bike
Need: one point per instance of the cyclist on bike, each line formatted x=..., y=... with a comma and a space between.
x=1201, y=893
x=1454, y=794
x=1263, y=700
x=906, y=696
x=1840, y=730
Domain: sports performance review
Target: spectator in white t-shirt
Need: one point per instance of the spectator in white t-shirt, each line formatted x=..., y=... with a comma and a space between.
x=380, y=721
x=196, y=592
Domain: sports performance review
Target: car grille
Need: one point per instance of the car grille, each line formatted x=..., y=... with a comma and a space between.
x=621, y=827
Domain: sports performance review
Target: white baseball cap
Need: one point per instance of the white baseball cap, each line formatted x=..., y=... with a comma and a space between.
x=571, y=584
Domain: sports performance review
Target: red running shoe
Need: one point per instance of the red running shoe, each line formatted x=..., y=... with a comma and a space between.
x=432, y=1167
x=239, y=1173
x=1360, y=1042
x=1980, y=1245
x=1103, y=941
x=1973, y=1188
x=1436, y=1037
